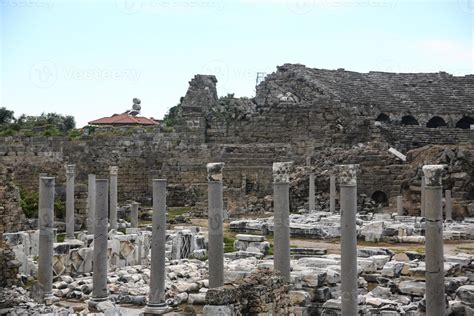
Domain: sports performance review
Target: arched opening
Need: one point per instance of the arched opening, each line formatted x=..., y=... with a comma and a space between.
x=465, y=122
x=409, y=120
x=383, y=118
x=436, y=122
x=380, y=198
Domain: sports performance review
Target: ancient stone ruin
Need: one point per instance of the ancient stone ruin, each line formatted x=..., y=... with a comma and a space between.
x=330, y=192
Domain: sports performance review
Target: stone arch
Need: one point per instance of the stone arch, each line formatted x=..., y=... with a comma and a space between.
x=380, y=197
x=383, y=118
x=436, y=122
x=465, y=122
x=409, y=120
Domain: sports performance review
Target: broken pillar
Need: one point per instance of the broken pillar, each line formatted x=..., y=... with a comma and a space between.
x=156, y=304
x=215, y=224
x=134, y=214
x=90, y=203
x=312, y=190
x=332, y=193
x=46, y=240
x=448, y=207
x=281, y=214
x=434, y=258
x=348, y=200
x=399, y=205
x=113, y=170
x=70, y=177
x=422, y=212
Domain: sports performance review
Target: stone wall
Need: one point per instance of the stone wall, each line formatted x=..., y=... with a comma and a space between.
x=297, y=112
x=261, y=293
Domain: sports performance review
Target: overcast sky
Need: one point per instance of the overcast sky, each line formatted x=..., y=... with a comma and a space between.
x=90, y=58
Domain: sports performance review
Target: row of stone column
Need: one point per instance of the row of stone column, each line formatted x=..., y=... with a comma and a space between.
x=448, y=204
x=91, y=193
x=431, y=209
x=156, y=303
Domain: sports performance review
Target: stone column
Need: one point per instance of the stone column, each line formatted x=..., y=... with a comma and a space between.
x=448, y=208
x=311, y=196
x=348, y=200
x=281, y=214
x=90, y=203
x=134, y=214
x=422, y=212
x=435, y=298
x=332, y=193
x=70, y=176
x=113, y=196
x=156, y=299
x=99, y=276
x=400, y=205
x=46, y=240
x=215, y=219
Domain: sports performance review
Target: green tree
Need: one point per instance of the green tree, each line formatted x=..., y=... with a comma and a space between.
x=6, y=116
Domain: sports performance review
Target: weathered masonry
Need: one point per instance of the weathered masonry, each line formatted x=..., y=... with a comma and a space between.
x=332, y=116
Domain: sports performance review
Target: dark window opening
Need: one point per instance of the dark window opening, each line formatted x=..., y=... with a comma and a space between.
x=383, y=118
x=465, y=122
x=436, y=122
x=409, y=120
x=380, y=198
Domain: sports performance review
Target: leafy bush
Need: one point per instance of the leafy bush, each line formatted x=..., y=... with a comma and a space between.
x=47, y=124
x=29, y=205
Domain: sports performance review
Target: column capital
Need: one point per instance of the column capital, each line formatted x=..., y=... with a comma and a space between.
x=347, y=174
x=433, y=174
x=281, y=171
x=214, y=171
x=70, y=168
x=113, y=170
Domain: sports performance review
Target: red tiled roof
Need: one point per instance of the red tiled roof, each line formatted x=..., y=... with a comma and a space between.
x=125, y=119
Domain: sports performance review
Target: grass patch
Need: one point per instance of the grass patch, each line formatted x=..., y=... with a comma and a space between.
x=229, y=244
x=465, y=249
x=172, y=212
x=60, y=237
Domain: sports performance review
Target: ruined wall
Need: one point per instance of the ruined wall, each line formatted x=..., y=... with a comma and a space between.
x=262, y=292
x=298, y=112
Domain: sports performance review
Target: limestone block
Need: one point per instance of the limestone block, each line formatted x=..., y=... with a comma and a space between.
x=393, y=269
x=466, y=294
x=412, y=288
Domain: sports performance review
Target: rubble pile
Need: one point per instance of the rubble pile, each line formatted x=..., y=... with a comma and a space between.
x=370, y=227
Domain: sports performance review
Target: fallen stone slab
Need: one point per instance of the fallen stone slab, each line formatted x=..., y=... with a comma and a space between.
x=414, y=288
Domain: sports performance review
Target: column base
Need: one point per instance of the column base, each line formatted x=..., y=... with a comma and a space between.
x=156, y=309
x=49, y=299
x=100, y=304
